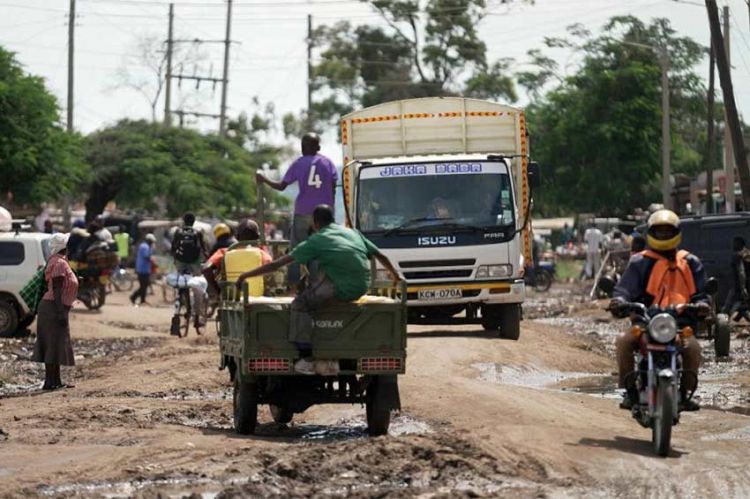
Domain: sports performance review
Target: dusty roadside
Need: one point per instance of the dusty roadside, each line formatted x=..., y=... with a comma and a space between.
x=482, y=417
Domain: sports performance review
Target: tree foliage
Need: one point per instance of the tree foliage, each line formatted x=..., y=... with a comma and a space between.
x=423, y=49
x=148, y=166
x=598, y=130
x=39, y=161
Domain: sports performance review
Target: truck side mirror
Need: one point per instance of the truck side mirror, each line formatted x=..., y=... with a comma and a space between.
x=534, y=174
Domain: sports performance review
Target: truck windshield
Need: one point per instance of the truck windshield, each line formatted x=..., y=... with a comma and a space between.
x=405, y=197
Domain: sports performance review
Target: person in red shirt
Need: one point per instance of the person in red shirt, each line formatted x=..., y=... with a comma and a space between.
x=53, y=346
x=247, y=230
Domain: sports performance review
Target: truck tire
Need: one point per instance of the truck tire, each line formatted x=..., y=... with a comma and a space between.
x=721, y=336
x=281, y=414
x=8, y=318
x=505, y=318
x=510, y=322
x=245, y=403
x=378, y=414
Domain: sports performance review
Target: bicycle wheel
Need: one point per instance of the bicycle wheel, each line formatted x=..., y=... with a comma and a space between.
x=185, y=311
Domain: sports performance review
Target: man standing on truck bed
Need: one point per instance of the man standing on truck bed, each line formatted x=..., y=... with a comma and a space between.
x=343, y=255
x=316, y=177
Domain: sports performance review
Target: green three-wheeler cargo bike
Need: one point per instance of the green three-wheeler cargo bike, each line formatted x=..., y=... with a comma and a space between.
x=361, y=346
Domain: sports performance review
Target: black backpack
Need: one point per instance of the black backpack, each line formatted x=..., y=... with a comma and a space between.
x=186, y=246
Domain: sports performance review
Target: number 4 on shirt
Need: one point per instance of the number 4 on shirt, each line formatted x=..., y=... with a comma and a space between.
x=313, y=180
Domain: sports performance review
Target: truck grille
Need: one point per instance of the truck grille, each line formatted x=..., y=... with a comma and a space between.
x=437, y=263
x=438, y=274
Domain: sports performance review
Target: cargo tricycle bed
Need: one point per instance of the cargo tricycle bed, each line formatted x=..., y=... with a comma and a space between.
x=359, y=350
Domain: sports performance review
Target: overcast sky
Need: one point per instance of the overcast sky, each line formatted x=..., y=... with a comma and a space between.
x=269, y=62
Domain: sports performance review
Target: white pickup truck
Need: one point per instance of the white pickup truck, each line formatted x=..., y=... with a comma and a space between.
x=442, y=187
x=21, y=254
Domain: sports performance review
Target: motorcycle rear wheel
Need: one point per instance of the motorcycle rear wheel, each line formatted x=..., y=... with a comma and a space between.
x=542, y=280
x=661, y=433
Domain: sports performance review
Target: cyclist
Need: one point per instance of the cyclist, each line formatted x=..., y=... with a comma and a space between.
x=188, y=250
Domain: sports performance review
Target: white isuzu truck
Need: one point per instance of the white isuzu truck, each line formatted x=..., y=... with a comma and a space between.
x=442, y=186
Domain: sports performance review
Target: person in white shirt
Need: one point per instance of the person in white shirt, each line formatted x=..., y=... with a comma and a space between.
x=593, y=239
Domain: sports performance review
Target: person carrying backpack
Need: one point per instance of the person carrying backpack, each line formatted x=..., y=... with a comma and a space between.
x=189, y=250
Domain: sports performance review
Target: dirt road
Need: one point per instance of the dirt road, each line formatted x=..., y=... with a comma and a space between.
x=151, y=414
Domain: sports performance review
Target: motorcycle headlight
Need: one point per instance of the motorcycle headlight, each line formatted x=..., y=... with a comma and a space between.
x=489, y=271
x=663, y=328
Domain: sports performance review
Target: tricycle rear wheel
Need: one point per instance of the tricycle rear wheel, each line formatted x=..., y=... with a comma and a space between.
x=281, y=414
x=378, y=413
x=245, y=404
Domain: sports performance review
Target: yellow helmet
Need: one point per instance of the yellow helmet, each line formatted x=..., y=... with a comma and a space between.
x=663, y=218
x=221, y=229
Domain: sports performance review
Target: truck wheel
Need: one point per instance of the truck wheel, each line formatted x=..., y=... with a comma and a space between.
x=378, y=416
x=8, y=318
x=721, y=335
x=245, y=406
x=281, y=414
x=506, y=318
x=510, y=322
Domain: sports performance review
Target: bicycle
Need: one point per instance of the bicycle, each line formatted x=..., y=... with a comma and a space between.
x=183, y=307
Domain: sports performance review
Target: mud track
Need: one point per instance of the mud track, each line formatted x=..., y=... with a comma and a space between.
x=150, y=415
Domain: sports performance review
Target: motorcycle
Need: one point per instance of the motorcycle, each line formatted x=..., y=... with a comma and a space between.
x=92, y=286
x=659, y=370
x=541, y=277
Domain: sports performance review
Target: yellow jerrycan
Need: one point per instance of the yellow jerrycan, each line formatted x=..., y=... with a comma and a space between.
x=238, y=260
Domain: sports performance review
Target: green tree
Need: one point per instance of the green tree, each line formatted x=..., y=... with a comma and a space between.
x=425, y=50
x=39, y=161
x=148, y=166
x=600, y=127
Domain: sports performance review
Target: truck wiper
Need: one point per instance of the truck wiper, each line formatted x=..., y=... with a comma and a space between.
x=411, y=222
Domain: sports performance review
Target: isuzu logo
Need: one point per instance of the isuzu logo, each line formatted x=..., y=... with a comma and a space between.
x=436, y=240
x=329, y=324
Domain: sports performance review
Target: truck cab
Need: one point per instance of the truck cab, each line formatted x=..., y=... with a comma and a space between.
x=441, y=186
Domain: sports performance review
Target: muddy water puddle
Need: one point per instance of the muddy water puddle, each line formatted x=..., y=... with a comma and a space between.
x=415, y=459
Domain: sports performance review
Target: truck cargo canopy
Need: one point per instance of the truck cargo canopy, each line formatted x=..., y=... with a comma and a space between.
x=433, y=125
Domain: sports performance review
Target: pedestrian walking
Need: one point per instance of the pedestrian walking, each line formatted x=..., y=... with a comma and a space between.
x=53, y=346
x=143, y=269
x=593, y=238
x=737, y=302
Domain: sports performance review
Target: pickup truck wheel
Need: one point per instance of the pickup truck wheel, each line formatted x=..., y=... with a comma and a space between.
x=281, y=414
x=378, y=416
x=245, y=406
x=8, y=318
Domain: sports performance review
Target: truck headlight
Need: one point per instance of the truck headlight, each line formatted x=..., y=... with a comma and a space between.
x=488, y=271
x=663, y=328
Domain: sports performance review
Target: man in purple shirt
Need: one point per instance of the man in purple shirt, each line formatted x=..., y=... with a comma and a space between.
x=316, y=178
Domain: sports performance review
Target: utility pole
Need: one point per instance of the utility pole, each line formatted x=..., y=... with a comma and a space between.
x=728, y=158
x=69, y=124
x=711, y=134
x=168, y=80
x=225, y=79
x=733, y=121
x=666, y=141
x=71, y=52
x=309, y=73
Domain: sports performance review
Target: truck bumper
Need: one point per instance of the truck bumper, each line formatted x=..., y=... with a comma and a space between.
x=474, y=292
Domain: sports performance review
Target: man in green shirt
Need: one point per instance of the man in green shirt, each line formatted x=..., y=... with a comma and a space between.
x=343, y=257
